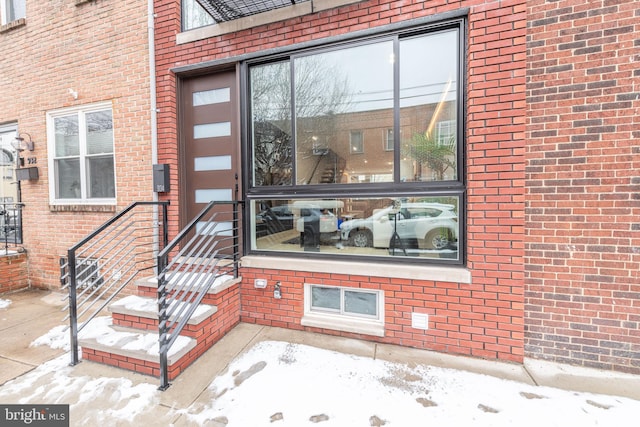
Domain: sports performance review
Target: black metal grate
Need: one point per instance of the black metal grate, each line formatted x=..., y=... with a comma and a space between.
x=228, y=10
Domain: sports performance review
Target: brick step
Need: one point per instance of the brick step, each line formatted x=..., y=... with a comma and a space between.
x=142, y=313
x=122, y=346
x=133, y=349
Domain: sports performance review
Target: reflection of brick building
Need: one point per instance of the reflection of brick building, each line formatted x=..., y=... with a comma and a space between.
x=358, y=147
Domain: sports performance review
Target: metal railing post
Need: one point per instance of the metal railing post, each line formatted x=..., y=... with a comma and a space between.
x=163, y=317
x=73, y=310
x=236, y=234
x=165, y=225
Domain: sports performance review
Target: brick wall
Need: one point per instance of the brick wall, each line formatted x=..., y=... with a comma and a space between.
x=484, y=318
x=99, y=49
x=13, y=272
x=583, y=183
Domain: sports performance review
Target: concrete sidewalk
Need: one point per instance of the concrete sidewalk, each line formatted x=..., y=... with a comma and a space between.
x=33, y=313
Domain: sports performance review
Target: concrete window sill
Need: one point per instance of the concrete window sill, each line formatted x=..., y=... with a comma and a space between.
x=361, y=268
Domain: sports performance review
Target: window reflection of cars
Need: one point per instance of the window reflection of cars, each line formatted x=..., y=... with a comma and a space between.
x=316, y=221
x=327, y=221
x=273, y=220
x=422, y=225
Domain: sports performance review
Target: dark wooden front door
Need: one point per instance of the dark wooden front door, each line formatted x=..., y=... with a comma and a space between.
x=210, y=131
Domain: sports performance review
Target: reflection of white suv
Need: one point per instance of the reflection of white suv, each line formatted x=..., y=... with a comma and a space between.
x=425, y=225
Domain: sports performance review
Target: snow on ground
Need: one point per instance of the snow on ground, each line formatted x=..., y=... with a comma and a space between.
x=4, y=303
x=283, y=384
x=93, y=401
x=296, y=385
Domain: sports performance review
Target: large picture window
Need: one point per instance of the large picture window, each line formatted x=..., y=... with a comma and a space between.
x=314, y=132
x=82, y=160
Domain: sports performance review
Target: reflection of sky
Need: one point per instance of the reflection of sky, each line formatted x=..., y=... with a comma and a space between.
x=428, y=65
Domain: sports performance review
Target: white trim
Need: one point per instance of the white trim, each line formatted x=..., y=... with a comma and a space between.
x=84, y=109
x=4, y=13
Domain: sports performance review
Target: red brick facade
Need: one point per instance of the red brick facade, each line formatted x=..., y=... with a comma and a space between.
x=13, y=272
x=484, y=318
x=582, y=262
x=99, y=50
x=552, y=231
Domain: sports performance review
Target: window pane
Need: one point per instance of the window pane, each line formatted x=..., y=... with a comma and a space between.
x=211, y=130
x=336, y=93
x=99, y=132
x=388, y=141
x=364, y=303
x=270, y=87
x=428, y=97
x=194, y=16
x=212, y=163
x=15, y=9
x=67, y=136
x=101, y=177
x=420, y=227
x=68, y=179
x=357, y=142
x=325, y=298
x=213, y=96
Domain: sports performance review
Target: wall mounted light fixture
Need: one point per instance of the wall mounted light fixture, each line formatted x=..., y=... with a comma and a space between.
x=21, y=144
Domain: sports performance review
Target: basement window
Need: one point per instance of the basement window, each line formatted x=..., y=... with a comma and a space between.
x=344, y=309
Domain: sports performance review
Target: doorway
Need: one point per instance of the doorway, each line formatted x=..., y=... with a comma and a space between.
x=210, y=145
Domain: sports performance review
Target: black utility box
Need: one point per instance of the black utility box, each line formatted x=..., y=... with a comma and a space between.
x=27, y=174
x=161, y=178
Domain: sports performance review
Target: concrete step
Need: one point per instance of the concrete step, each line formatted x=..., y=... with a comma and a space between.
x=220, y=283
x=130, y=349
x=147, y=307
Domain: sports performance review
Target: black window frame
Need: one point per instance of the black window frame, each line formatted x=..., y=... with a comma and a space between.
x=450, y=188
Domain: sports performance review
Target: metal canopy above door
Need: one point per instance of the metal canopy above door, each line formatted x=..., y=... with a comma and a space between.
x=228, y=10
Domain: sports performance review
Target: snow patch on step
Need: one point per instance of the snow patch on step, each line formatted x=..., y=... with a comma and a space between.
x=100, y=331
x=148, y=307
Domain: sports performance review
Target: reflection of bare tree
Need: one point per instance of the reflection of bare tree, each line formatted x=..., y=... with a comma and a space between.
x=99, y=121
x=271, y=111
x=319, y=92
x=322, y=92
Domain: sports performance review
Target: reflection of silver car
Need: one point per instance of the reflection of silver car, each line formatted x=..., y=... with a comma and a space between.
x=424, y=225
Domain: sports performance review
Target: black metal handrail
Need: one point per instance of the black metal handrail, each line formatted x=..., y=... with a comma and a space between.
x=206, y=250
x=10, y=225
x=102, y=264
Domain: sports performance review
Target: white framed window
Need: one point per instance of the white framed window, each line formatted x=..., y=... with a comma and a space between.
x=346, y=309
x=446, y=132
x=12, y=10
x=8, y=157
x=81, y=155
x=388, y=140
x=356, y=142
